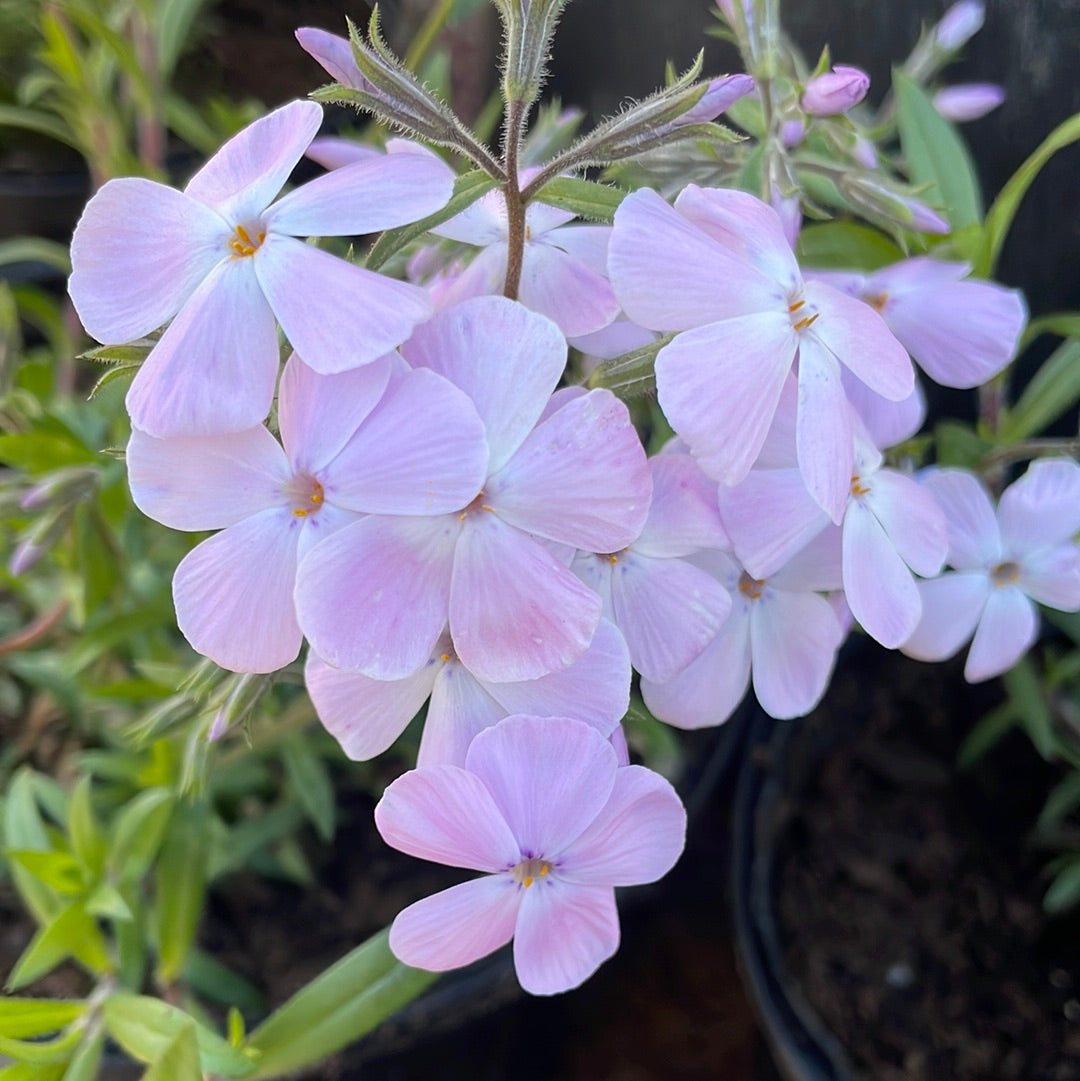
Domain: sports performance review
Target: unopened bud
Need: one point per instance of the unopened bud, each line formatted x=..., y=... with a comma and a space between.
x=968, y=101
x=959, y=24
x=884, y=204
x=792, y=132
x=835, y=91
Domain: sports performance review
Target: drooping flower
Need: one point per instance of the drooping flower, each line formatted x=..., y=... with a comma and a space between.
x=223, y=262
x=718, y=269
x=366, y=715
x=562, y=474
x=1003, y=561
x=351, y=446
x=835, y=91
x=543, y=808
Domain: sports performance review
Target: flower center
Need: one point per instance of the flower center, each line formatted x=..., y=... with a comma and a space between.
x=1005, y=574
x=245, y=242
x=857, y=486
x=477, y=504
x=528, y=871
x=306, y=495
x=751, y=588
x=877, y=301
x=799, y=319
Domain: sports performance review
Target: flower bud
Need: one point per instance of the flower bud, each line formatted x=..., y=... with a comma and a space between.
x=959, y=24
x=792, y=132
x=884, y=204
x=836, y=91
x=968, y=101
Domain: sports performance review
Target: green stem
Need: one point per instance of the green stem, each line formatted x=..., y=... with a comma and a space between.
x=428, y=33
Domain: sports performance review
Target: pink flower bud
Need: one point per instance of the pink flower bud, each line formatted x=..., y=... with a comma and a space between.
x=864, y=153
x=959, y=24
x=836, y=91
x=792, y=132
x=968, y=101
x=720, y=96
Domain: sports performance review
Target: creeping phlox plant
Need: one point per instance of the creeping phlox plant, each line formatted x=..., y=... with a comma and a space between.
x=616, y=436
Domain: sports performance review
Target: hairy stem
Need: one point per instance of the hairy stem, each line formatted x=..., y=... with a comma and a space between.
x=515, y=205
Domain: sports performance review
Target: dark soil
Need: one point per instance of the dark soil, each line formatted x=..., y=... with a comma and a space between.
x=910, y=897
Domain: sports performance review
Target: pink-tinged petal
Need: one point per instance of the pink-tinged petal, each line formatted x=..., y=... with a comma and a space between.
x=395, y=465
x=506, y=358
x=215, y=367
x=823, y=430
x=565, y=932
x=1052, y=576
x=447, y=815
x=587, y=243
x=618, y=337
x=817, y=567
x=668, y=611
x=318, y=414
x=564, y=289
x=793, y=641
x=911, y=517
x=974, y=537
x=336, y=315
x=951, y=608
x=374, y=595
x=635, y=839
x=484, y=276
x=459, y=710
x=684, y=515
x=457, y=926
x=594, y=689
x=365, y=715
x=320, y=524
x=481, y=223
x=549, y=777
x=860, y=339
x=581, y=477
x=719, y=387
x=233, y=594
x=542, y=218
x=332, y=152
x=1007, y=630
x=961, y=333
x=515, y=611
x=139, y=251
x=887, y=423
x=595, y=571
x=206, y=483
x=241, y=179
x=877, y=583
x=745, y=226
x=334, y=53
x=707, y=691
x=779, y=450
x=770, y=517
x=1042, y=507
x=365, y=197
x=908, y=276
x=669, y=275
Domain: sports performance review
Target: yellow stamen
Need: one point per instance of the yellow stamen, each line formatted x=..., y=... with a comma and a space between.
x=751, y=588
x=444, y=657
x=809, y=321
x=1005, y=574
x=528, y=871
x=796, y=306
x=857, y=487
x=877, y=301
x=242, y=245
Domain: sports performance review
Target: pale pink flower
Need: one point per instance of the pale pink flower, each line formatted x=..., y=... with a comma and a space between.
x=543, y=808
x=1003, y=561
x=835, y=91
x=351, y=446
x=223, y=263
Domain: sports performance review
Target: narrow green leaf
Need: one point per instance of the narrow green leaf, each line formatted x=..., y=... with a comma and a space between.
x=1061, y=324
x=989, y=730
x=310, y=783
x=138, y=832
x=58, y=870
x=87, y=840
x=85, y=1062
x=1000, y=216
x=18, y=116
x=180, y=1059
x=586, y=198
x=118, y=354
x=72, y=933
x=24, y=830
x=467, y=189
x=958, y=445
x=1026, y=695
x=35, y=249
x=213, y=980
x=106, y=902
x=145, y=1027
x=338, y=1007
x=24, y=1017
x=44, y=1052
x=936, y=155
x=1064, y=891
x=180, y=885
x=1064, y=798
x=846, y=245
x=38, y=452
x=1053, y=391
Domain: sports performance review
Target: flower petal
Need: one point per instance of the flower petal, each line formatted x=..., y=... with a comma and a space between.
x=1007, y=630
x=460, y=708
x=1042, y=507
x=910, y=515
x=139, y=251
x=233, y=594
x=1051, y=576
x=336, y=315
x=951, y=608
x=447, y=815
x=684, y=516
x=635, y=839
x=974, y=537
x=564, y=289
x=457, y=926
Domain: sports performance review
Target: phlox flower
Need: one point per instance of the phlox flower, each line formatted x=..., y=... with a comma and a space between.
x=835, y=91
x=366, y=715
x=1003, y=561
x=718, y=269
x=959, y=331
x=665, y=607
x=350, y=445
x=544, y=809
x=781, y=633
x=564, y=474
x=223, y=262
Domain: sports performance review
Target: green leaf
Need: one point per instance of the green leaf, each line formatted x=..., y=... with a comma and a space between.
x=180, y=885
x=17, y=116
x=958, y=445
x=180, y=1059
x=1000, y=216
x=936, y=155
x=467, y=189
x=846, y=245
x=1061, y=324
x=1064, y=798
x=72, y=933
x=1064, y=891
x=45, y=1052
x=106, y=902
x=145, y=1027
x=87, y=840
x=1053, y=391
x=132, y=355
x=219, y=983
x=338, y=1007
x=24, y=830
x=24, y=1017
x=35, y=249
x=138, y=832
x=1026, y=695
x=310, y=783
x=58, y=870
x=85, y=1062
x=586, y=198
x=38, y=452
x=989, y=730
